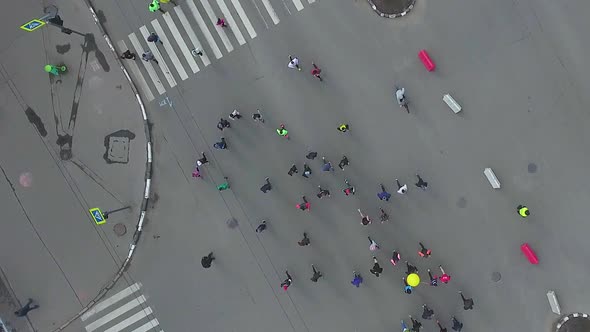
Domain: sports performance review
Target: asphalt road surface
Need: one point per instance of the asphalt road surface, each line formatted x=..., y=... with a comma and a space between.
x=517, y=68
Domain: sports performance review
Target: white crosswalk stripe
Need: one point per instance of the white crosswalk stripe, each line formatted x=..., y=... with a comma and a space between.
x=190, y=38
x=161, y=62
x=132, y=313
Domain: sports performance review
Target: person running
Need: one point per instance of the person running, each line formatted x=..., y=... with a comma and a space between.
x=384, y=216
x=407, y=288
x=427, y=313
x=148, y=56
x=304, y=205
x=316, y=274
x=282, y=131
x=257, y=116
x=373, y=245
x=457, y=325
x=221, y=22
x=357, y=280
x=411, y=268
x=206, y=260
x=421, y=183
x=384, y=195
x=423, y=252
x=445, y=278
x=327, y=165
x=24, y=310
x=154, y=38
x=343, y=127
x=401, y=189
x=293, y=63
x=128, y=55
x=376, y=269
x=416, y=325
x=266, y=187
x=349, y=189
x=261, y=227
x=235, y=115
x=442, y=329
x=395, y=257
x=222, y=124
x=316, y=71
x=467, y=302
x=305, y=241
x=222, y=145
x=433, y=279
x=306, y=171
x=223, y=186
x=343, y=162
x=523, y=211
x=202, y=160
x=292, y=170
x=155, y=6
x=287, y=282
x=311, y=155
x=323, y=192
x=365, y=220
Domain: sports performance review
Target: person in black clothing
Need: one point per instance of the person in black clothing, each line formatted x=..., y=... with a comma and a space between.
x=377, y=269
x=311, y=155
x=287, y=282
x=384, y=216
x=24, y=310
x=261, y=227
x=206, y=260
x=323, y=192
x=306, y=171
x=343, y=162
x=316, y=274
x=128, y=55
x=433, y=279
x=411, y=268
x=442, y=329
x=221, y=144
x=457, y=325
x=467, y=302
x=305, y=241
x=202, y=160
x=421, y=183
x=424, y=252
x=266, y=187
x=222, y=124
x=427, y=313
x=416, y=325
x=292, y=170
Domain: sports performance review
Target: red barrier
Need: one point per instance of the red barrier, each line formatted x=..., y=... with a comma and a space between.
x=426, y=60
x=529, y=253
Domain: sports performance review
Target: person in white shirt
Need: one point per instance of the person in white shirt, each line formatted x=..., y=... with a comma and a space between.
x=401, y=189
x=293, y=63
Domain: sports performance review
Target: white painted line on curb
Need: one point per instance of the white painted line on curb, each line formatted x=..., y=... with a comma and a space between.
x=244, y=18
x=191, y=34
x=143, y=86
x=170, y=50
x=213, y=19
x=178, y=37
x=147, y=65
x=204, y=28
x=159, y=58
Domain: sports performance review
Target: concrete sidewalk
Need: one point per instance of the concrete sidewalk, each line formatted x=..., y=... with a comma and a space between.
x=70, y=143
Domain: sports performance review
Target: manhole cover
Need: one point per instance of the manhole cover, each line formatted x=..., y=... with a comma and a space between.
x=119, y=229
x=575, y=323
x=496, y=276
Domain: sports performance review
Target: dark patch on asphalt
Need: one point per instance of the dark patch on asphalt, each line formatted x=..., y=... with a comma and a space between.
x=153, y=200
x=65, y=146
x=231, y=223
x=532, y=168
x=462, y=203
x=63, y=49
x=101, y=17
x=119, y=87
x=90, y=46
x=117, y=147
x=576, y=324
x=36, y=121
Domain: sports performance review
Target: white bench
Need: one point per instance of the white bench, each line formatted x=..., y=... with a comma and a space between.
x=491, y=178
x=452, y=103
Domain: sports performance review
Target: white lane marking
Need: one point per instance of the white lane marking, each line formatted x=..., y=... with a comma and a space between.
x=244, y=18
x=147, y=326
x=204, y=29
x=115, y=313
x=219, y=29
x=170, y=50
x=311, y=1
x=191, y=34
x=159, y=58
x=271, y=12
x=139, y=79
x=178, y=37
x=232, y=24
x=298, y=4
x=147, y=65
x=136, y=317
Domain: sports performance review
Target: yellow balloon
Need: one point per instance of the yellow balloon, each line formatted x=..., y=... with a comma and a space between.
x=413, y=279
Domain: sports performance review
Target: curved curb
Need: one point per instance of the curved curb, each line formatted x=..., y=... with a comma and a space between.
x=391, y=15
x=568, y=317
x=147, y=177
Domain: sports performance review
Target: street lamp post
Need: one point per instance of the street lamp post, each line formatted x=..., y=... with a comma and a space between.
x=106, y=213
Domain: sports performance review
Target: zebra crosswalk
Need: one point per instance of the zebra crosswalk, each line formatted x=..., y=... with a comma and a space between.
x=131, y=316
x=178, y=32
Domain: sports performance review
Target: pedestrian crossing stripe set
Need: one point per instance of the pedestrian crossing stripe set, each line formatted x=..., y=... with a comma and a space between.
x=189, y=41
x=114, y=315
